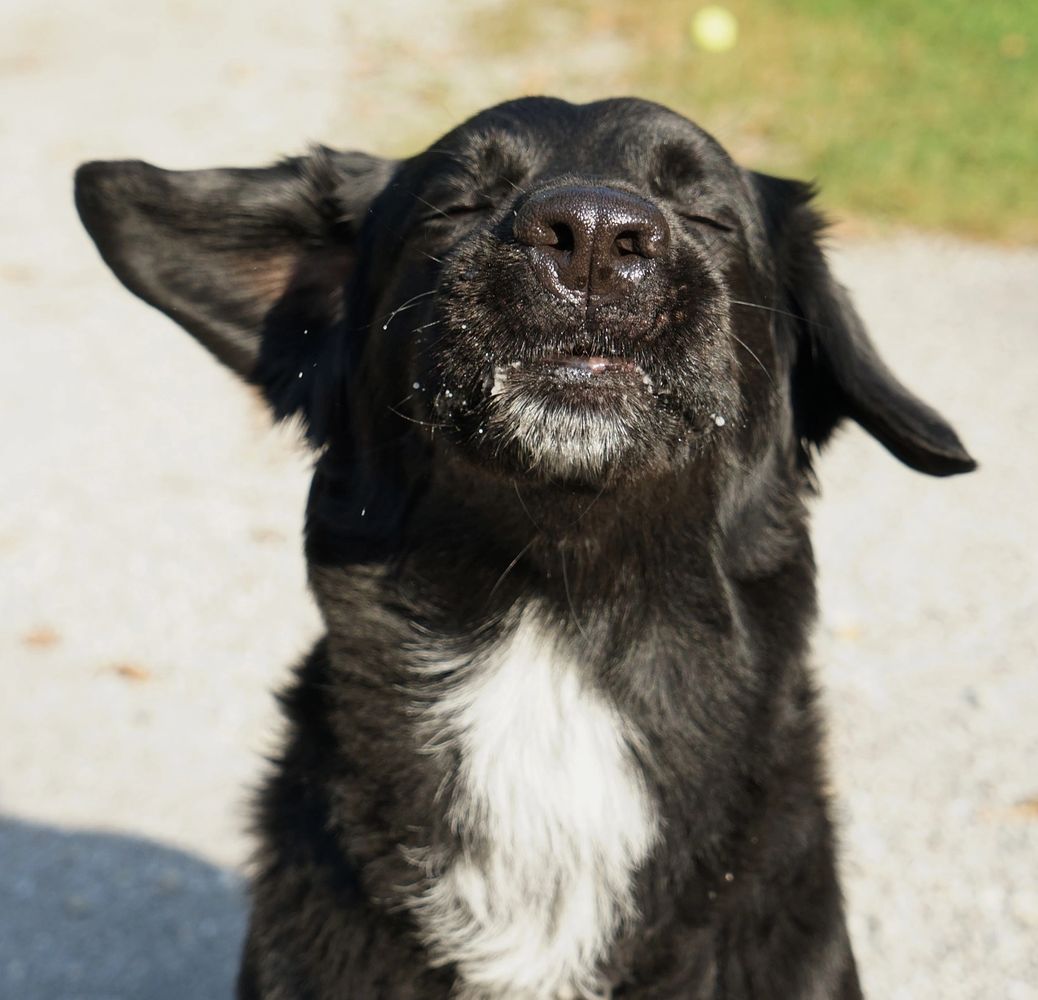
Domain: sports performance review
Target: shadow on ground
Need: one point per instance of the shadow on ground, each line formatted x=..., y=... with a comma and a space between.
x=99, y=916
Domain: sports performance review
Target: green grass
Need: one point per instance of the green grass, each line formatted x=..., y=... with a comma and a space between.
x=923, y=113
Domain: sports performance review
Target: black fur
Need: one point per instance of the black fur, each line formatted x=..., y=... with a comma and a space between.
x=383, y=302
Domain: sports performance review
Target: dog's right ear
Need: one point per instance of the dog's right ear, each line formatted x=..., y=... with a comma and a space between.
x=254, y=263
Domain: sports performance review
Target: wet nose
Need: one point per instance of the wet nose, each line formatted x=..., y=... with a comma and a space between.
x=593, y=242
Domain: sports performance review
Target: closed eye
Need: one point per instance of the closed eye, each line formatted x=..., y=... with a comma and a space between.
x=443, y=222
x=465, y=208
x=713, y=221
x=450, y=210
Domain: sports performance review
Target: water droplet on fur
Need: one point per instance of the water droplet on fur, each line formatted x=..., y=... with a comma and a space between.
x=719, y=420
x=416, y=385
x=448, y=393
x=729, y=877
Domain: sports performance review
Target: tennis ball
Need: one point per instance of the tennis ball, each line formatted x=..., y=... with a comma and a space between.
x=714, y=29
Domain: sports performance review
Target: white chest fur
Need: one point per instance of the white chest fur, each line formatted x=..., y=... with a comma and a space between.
x=555, y=818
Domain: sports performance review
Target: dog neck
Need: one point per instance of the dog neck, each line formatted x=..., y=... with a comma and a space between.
x=463, y=555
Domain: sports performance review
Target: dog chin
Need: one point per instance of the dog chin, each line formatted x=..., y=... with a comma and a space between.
x=571, y=419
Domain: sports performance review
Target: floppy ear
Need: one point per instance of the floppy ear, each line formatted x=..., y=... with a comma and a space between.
x=837, y=372
x=254, y=263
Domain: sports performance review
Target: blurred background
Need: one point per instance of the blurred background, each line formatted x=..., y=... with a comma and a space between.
x=152, y=588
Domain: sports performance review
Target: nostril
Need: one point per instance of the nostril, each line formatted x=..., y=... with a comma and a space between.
x=565, y=241
x=628, y=244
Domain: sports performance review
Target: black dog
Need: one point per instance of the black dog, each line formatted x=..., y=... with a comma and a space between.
x=565, y=372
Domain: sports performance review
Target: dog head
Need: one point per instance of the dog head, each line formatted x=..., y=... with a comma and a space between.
x=582, y=297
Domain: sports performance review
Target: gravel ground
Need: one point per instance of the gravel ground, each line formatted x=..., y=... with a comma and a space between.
x=152, y=587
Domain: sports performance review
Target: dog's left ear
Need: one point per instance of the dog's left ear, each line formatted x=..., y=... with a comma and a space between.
x=837, y=372
x=254, y=263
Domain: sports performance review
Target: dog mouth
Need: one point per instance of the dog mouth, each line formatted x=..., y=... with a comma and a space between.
x=571, y=375
x=588, y=418
x=569, y=417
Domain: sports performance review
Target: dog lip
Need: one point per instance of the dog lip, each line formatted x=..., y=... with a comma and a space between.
x=574, y=370
x=591, y=365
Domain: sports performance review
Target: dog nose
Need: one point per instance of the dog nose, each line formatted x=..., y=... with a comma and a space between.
x=594, y=241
